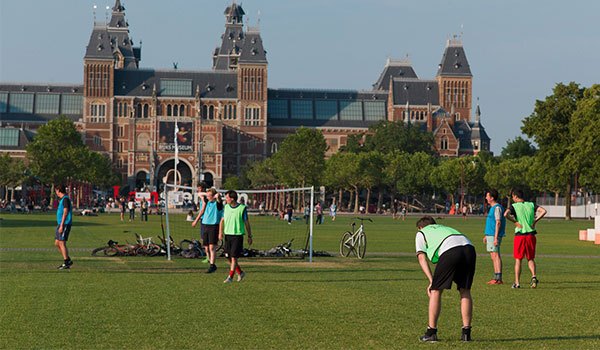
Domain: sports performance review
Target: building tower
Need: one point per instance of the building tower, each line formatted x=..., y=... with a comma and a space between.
x=455, y=81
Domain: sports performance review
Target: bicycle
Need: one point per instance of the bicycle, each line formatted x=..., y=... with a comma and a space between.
x=115, y=249
x=355, y=241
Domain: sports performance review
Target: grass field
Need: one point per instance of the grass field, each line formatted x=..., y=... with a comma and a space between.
x=332, y=303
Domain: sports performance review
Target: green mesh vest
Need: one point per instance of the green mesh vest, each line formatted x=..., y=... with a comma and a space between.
x=525, y=216
x=434, y=237
x=234, y=220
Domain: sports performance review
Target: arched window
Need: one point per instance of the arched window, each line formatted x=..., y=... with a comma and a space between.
x=138, y=113
x=273, y=148
x=146, y=107
x=444, y=143
x=182, y=110
x=169, y=111
x=211, y=112
x=175, y=110
x=204, y=112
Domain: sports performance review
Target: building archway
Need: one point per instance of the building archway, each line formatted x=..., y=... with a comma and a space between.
x=209, y=179
x=166, y=172
x=141, y=179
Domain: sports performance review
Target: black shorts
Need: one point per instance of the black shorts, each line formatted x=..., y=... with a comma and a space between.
x=456, y=264
x=210, y=234
x=233, y=246
x=64, y=235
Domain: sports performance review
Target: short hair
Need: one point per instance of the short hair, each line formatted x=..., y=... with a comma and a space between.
x=212, y=190
x=232, y=194
x=202, y=184
x=493, y=193
x=518, y=193
x=425, y=220
x=60, y=188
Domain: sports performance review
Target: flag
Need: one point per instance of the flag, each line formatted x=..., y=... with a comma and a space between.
x=407, y=112
x=176, y=151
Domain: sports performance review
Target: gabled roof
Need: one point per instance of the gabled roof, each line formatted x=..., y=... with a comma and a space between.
x=252, y=50
x=394, y=69
x=141, y=82
x=234, y=13
x=454, y=61
x=415, y=92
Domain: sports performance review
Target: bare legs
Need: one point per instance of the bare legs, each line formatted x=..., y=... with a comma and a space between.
x=497, y=260
x=62, y=247
x=530, y=264
x=435, y=305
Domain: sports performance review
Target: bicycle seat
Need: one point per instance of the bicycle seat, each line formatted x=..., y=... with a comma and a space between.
x=353, y=224
x=111, y=242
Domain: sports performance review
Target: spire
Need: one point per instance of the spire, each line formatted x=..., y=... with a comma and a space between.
x=234, y=13
x=118, y=7
x=477, y=115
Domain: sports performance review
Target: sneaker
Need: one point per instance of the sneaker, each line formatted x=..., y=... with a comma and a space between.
x=211, y=269
x=205, y=261
x=241, y=276
x=534, y=282
x=228, y=280
x=69, y=262
x=493, y=282
x=64, y=266
x=466, y=334
x=431, y=338
x=499, y=282
x=515, y=285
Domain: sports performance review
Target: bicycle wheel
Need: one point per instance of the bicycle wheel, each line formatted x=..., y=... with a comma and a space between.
x=346, y=244
x=361, y=245
x=153, y=249
x=99, y=251
x=186, y=244
x=140, y=251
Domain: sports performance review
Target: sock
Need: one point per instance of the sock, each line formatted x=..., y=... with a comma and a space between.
x=67, y=259
x=430, y=331
x=231, y=273
x=238, y=270
x=532, y=277
x=466, y=329
x=499, y=276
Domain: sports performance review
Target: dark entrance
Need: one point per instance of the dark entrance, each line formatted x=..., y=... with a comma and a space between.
x=167, y=173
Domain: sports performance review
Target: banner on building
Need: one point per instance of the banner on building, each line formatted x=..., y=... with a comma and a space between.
x=166, y=135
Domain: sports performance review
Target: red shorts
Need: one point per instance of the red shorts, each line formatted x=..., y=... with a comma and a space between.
x=524, y=246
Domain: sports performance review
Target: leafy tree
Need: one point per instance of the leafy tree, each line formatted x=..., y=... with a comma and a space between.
x=354, y=144
x=12, y=172
x=389, y=136
x=510, y=174
x=344, y=171
x=584, y=151
x=301, y=158
x=517, y=148
x=57, y=152
x=372, y=165
x=262, y=173
x=550, y=127
x=396, y=165
x=416, y=175
x=233, y=183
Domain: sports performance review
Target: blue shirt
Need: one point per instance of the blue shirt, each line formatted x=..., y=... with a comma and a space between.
x=490, y=224
x=213, y=213
x=65, y=203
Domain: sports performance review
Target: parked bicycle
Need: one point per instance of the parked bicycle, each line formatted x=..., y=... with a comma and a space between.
x=143, y=247
x=355, y=241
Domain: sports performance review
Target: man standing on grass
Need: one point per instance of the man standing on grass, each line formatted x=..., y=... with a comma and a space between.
x=211, y=214
x=494, y=231
x=523, y=214
x=234, y=225
x=63, y=219
x=455, y=257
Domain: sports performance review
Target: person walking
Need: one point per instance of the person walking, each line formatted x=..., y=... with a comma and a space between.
x=306, y=213
x=455, y=257
x=289, y=211
x=494, y=232
x=333, y=210
x=523, y=214
x=211, y=214
x=234, y=225
x=122, y=207
x=144, y=209
x=63, y=228
x=131, y=206
x=395, y=205
x=403, y=212
x=319, y=211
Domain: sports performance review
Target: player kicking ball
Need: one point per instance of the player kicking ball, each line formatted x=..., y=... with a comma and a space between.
x=455, y=257
x=234, y=225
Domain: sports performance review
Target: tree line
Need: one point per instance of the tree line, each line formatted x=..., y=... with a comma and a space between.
x=399, y=159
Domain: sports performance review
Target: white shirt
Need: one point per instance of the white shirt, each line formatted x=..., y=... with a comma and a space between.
x=448, y=243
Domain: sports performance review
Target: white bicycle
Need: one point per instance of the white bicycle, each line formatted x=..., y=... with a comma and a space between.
x=355, y=241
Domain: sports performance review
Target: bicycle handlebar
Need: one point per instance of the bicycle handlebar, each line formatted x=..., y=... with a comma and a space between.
x=363, y=219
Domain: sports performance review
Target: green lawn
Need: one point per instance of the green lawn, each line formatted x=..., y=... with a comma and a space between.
x=332, y=303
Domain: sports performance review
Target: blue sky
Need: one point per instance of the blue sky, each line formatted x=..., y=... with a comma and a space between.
x=517, y=50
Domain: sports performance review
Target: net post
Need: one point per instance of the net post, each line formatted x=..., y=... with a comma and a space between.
x=168, y=231
x=312, y=204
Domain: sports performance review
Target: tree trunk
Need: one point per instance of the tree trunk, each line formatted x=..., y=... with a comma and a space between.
x=568, y=203
x=379, y=199
x=356, y=200
x=556, y=198
x=340, y=195
x=368, y=199
x=350, y=201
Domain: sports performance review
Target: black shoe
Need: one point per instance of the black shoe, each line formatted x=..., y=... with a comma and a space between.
x=211, y=269
x=466, y=334
x=432, y=338
x=64, y=267
x=69, y=262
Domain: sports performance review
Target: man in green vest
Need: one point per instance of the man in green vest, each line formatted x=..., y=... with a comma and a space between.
x=523, y=214
x=455, y=257
x=234, y=225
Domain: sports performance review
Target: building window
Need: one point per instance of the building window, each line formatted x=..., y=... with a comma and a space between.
x=302, y=109
x=119, y=147
x=444, y=143
x=278, y=109
x=175, y=87
x=46, y=103
x=252, y=117
x=182, y=110
x=274, y=147
x=138, y=110
x=97, y=140
x=3, y=102
x=326, y=110
x=119, y=163
x=476, y=145
x=146, y=108
x=9, y=137
x=211, y=112
x=72, y=104
x=457, y=116
x=251, y=144
x=351, y=110
x=21, y=103
x=120, y=131
x=97, y=112
x=169, y=110
x=204, y=112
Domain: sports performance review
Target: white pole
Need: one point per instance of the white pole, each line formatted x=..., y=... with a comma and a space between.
x=176, y=154
x=312, y=202
x=168, y=243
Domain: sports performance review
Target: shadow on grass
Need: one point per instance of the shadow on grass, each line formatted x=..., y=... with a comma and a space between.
x=343, y=280
x=576, y=337
x=19, y=223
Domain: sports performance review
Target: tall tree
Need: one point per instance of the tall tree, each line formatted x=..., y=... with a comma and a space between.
x=301, y=158
x=389, y=136
x=510, y=174
x=517, y=148
x=372, y=165
x=262, y=173
x=550, y=127
x=12, y=173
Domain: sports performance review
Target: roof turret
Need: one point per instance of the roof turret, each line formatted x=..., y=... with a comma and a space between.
x=454, y=61
x=234, y=13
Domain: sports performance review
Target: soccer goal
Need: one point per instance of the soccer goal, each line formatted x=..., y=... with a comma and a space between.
x=275, y=234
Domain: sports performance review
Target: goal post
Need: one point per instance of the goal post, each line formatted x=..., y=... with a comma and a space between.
x=266, y=210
